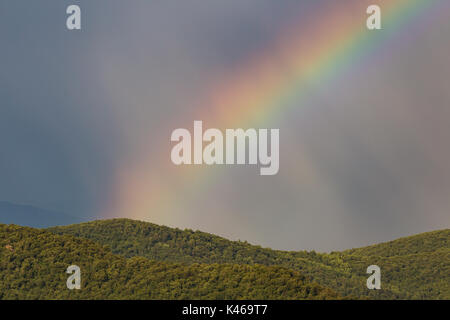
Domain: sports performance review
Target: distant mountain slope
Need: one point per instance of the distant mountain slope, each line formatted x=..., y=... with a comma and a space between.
x=33, y=264
x=419, y=263
x=30, y=216
x=420, y=243
x=412, y=267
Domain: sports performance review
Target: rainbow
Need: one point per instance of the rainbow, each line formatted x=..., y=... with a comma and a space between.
x=258, y=91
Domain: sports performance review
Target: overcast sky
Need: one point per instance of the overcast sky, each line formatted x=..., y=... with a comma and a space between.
x=78, y=110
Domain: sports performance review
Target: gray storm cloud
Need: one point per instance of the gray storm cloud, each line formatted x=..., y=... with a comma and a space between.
x=77, y=107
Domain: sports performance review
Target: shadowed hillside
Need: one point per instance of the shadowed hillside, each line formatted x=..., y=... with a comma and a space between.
x=412, y=267
x=30, y=216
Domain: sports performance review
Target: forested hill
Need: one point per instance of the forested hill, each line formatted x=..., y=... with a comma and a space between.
x=420, y=243
x=33, y=265
x=412, y=267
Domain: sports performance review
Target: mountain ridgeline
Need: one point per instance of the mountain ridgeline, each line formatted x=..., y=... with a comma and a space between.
x=33, y=265
x=30, y=216
x=416, y=267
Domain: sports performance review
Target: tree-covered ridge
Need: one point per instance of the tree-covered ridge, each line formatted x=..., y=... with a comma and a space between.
x=419, y=264
x=33, y=264
x=420, y=243
x=412, y=267
x=131, y=238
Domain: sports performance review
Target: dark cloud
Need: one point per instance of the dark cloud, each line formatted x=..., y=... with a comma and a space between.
x=364, y=158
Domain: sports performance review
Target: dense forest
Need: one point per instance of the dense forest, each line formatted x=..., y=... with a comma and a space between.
x=33, y=265
x=416, y=267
